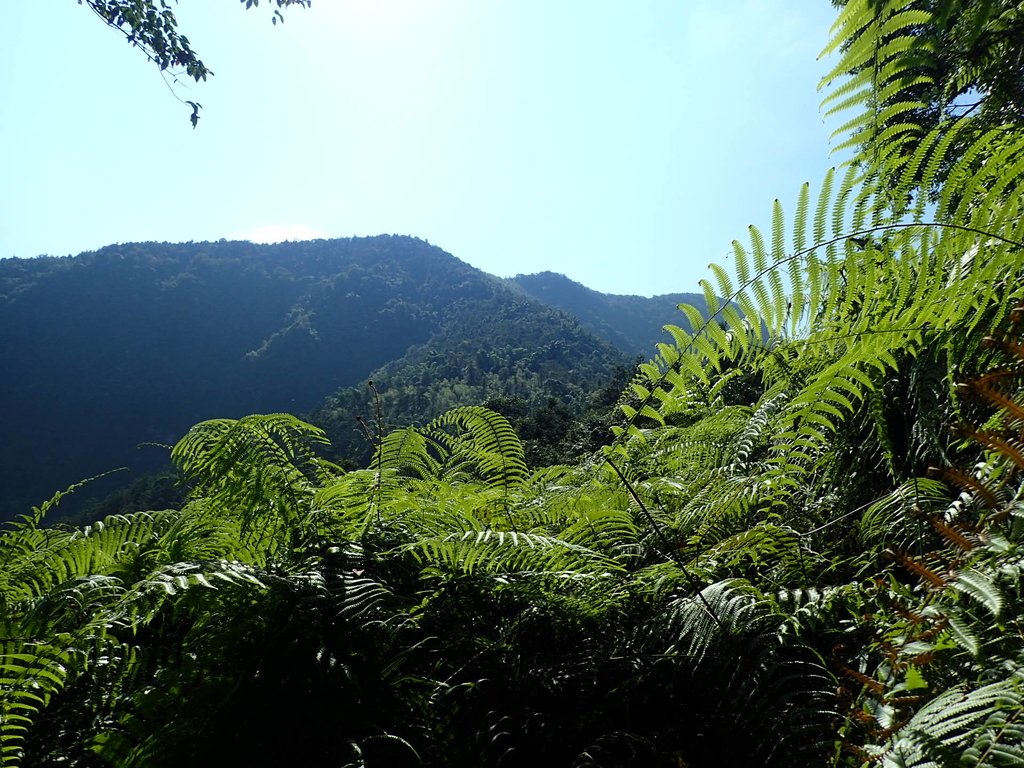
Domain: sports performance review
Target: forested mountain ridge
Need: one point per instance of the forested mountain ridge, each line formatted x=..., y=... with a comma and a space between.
x=139, y=341
x=632, y=323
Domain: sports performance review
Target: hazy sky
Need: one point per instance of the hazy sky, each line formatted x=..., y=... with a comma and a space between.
x=624, y=144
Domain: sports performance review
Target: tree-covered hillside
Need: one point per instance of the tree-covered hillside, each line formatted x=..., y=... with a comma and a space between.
x=139, y=341
x=501, y=350
x=824, y=570
x=631, y=323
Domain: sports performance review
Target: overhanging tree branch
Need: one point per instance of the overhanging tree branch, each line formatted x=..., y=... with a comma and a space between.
x=151, y=26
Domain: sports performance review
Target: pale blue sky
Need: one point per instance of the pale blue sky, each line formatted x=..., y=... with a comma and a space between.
x=624, y=144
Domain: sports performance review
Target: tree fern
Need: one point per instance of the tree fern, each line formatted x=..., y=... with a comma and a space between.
x=861, y=312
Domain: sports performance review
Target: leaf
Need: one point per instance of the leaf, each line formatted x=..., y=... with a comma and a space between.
x=981, y=589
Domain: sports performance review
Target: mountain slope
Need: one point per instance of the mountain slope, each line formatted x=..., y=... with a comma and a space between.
x=631, y=323
x=137, y=342
x=502, y=349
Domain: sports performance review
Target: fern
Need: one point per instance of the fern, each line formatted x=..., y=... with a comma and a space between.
x=879, y=63
x=976, y=727
x=508, y=552
x=486, y=440
x=262, y=469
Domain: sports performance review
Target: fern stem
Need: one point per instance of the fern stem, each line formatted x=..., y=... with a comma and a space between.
x=379, y=428
x=996, y=738
x=669, y=549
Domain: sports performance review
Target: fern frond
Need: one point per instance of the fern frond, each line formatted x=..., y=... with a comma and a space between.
x=48, y=558
x=506, y=553
x=408, y=452
x=974, y=726
x=879, y=54
x=486, y=440
x=35, y=517
x=31, y=673
x=263, y=468
x=981, y=589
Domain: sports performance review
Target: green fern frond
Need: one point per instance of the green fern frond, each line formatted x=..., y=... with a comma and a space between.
x=486, y=440
x=406, y=450
x=38, y=561
x=506, y=553
x=354, y=502
x=31, y=673
x=723, y=607
x=879, y=53
x=33, y=519
x=898, y=519
x=975, y=727
x=775, y=552
x=261, y=469
x=981, y=589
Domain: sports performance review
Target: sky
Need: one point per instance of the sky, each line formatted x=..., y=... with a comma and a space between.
x=623, y=143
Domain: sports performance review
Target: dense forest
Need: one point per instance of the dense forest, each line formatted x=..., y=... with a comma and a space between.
x=140, y=341
x=799, y=548
x=634, y=324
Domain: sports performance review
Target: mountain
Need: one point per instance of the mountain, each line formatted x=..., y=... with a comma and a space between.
x=134, y=343
x=631, y=323
x=506, y=351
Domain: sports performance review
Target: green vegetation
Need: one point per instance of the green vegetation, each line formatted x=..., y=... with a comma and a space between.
x=532, y=355
x=139, y=341
x=631, y=323
x=801, y=547
x=967, y=61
